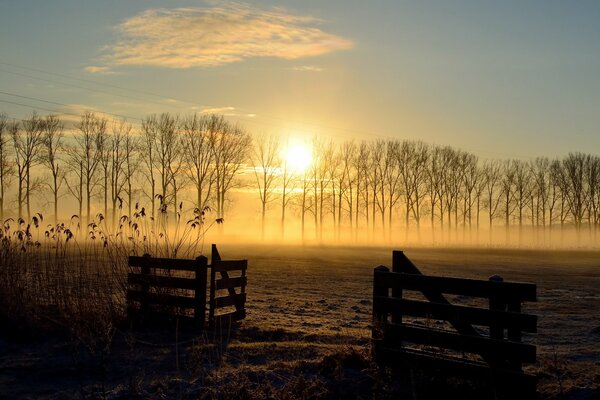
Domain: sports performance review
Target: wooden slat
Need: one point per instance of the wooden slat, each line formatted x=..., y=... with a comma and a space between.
x=163, y=299
x=163, y=263
x=504, y=349
x=233, y=316
x=228, y=301
x=505, y=381
x=230, y=283
x=161, y=281
x=401, y=263
x=471, y=315
x=461, y=286
x=230, y=265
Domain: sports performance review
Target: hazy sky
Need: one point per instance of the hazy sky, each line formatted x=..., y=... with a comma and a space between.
x=501, y=79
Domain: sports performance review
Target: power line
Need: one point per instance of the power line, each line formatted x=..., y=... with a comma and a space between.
x=94, y=82
x=65, y=105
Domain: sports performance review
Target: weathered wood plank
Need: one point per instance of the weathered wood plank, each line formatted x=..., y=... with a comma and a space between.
x=496, y=349
x=163, y=299
x=230, y=265
x=163, y=263
x=471, y=315
x=161, y=281
x=461, y=286
x=232, y=316
x=228, y=301
x=230, y=283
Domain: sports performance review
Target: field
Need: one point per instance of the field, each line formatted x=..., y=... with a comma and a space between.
x=307, y=332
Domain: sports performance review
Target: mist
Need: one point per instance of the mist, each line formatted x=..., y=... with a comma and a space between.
x=237, y=186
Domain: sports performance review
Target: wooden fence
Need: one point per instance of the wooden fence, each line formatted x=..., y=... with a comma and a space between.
x=416, y=325
x=160, y=289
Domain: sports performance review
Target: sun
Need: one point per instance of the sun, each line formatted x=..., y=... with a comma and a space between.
x=298, y=157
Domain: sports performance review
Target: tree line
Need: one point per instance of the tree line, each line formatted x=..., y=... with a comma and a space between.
x=377, y=188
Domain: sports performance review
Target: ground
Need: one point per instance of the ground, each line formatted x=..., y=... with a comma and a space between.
x=307, y=332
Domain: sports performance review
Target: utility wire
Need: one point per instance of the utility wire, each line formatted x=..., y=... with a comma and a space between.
x=65, y=105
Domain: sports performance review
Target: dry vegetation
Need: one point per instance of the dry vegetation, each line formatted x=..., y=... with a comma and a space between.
x=64, y=334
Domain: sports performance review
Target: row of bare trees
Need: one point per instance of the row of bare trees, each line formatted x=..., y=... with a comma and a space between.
x=384, y=187
x=380, y=187
x=108, y=166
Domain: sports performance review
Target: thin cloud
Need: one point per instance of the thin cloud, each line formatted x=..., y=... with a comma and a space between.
x=226, y=111
x=209, y=37
x=94, y=69
x=307, y=68
x=218, y=110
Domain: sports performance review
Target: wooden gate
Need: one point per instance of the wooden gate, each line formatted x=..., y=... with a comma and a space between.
x=431, y=332
x=219, y=305
x=162, y=289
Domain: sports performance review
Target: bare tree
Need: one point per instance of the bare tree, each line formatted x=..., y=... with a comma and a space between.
x=230, y=146
x=573, y=185
x=492, y=175
x=149, y=158
x=131, y=156
x=198, y=154
x=555, y=195
x=115, y=165
x=362, y=162
x=84, y=157
x=507, y=185
x=288, y=184
x=540, y=171
x=434, y=185
x=265, y=161
x=522, y=184
x=592, y=177
x=6, y=168
x=53, y=133
x=27, y=144
x=346, y=183
x=413, y=157
x=376, y=166
x=471, y=177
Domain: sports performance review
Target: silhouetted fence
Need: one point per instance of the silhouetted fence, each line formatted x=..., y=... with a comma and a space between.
x=417, y=326
x=161, y=289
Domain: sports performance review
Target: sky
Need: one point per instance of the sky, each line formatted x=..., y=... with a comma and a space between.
x=503, y=79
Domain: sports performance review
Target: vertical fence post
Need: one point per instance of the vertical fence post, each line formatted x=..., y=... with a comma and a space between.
x=200, y=292
x=214, y=262
x=400, y=263
x=145, y=286
x=497, y=303
x=379, y=315
x=514, y=332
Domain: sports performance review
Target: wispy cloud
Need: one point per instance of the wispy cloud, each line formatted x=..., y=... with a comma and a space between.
x=226, y=111
x=94, y=69
x=208, y=37
x=218, y=110
x=307, y=68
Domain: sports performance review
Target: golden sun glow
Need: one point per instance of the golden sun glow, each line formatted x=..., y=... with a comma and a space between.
x=298, y=157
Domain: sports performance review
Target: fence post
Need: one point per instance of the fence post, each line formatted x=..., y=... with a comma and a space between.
x=401, y=264
x=379, y=316
x=200, y=292
x=145, y=270
x=214, y=261
x=497, y=303
x=514, y=333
